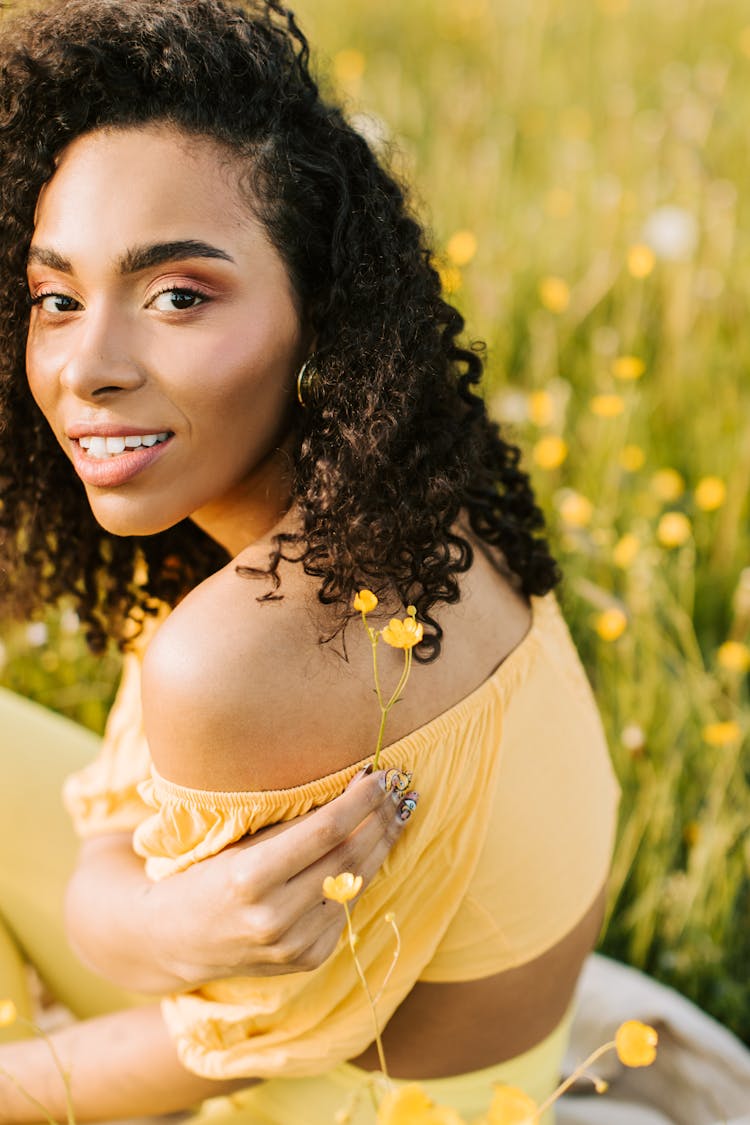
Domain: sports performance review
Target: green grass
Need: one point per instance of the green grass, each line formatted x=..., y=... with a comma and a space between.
x=554, y=132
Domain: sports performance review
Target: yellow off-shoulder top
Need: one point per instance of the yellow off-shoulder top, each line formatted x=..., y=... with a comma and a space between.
x=509, y=848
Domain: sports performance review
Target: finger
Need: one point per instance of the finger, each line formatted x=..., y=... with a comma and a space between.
x=308, y=839
x=362, y=853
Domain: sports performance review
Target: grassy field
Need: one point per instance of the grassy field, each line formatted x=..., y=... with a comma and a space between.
x=581, y=167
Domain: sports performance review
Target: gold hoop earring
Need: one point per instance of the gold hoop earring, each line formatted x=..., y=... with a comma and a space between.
x=308, y=383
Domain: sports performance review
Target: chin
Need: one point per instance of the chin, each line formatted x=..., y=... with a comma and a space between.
x=128, y=525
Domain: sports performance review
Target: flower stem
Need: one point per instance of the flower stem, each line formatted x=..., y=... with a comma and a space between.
x=385, y=708
x=579, y=1070
x=363, y=981
x=29, y=1097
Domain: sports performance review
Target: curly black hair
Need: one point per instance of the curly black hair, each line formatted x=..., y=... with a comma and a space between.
x=397, y=443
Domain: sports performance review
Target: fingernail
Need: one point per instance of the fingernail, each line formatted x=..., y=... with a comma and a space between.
x=408, y=805
x=367, y=770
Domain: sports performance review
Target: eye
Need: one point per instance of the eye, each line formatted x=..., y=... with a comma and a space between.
x=55, y=303
x=176, y=300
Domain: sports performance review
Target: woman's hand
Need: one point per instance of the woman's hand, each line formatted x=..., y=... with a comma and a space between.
x=255, y=909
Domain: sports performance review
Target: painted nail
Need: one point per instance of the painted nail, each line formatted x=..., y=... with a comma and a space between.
x=408, y=805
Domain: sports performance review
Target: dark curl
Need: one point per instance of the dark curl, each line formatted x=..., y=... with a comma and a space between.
x=399, y=443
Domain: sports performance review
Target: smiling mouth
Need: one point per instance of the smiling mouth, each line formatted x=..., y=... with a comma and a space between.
x=100, y=448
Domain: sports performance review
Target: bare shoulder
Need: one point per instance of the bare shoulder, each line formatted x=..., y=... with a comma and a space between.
x=240, y=694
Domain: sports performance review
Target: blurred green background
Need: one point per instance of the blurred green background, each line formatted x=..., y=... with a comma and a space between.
x=581, y=167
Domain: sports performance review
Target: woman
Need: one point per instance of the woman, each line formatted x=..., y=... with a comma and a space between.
x=238, y=342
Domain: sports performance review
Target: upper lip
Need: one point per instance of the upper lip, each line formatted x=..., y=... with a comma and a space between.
x=112, y=429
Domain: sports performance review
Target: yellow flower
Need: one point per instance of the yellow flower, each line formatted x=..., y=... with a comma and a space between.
x=721, y=734
x=641, y=260
x=511, y=1106
x=365, y=601
x=554, y=293
x=8, y=1013
x=632, y=458
x=410, y=1105
x=674, y=529
x=450, y=279
x=668, y=484
x=628, y=367
x=611, y=624
x=576, y=510
x=635, y=1043
x=710, y=493
x=559, y=202
x=733, y=656
x=461, y=248
x=607, y=406
x=550, y=452
x=343, y=888
x=349, y=66
x=403, y=634
x=541, y=408
x=626, y=550
x=691, y=833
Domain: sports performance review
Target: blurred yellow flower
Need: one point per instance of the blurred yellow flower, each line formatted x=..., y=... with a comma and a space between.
x=511, y=1106
x=558, y=202
x=628, y=367
x=722, y=734
x=461, y=248
x=668, y=484
x=451, y=279
x=744, y=40
x=641, y=260
x=673, y=530
x=541, y=408
x=635, y=1043
x=554, y=293
x=632, y=458
x=610, y=624
x=365, y=601
x=733, y=656
x=349, y=65
x=550, y=452
x=691, y=833
x=607, y=406
x=710, y=493
x=342, y=888
x=625, y=550
x=403, y=634
x=410, y=1105
x=8, y=1013
x=576, y=510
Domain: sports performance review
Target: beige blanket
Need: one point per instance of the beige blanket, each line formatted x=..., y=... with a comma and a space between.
x=701, y=1075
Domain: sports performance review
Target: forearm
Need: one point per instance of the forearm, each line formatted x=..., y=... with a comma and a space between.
x=108, y=915
x=119, y=1066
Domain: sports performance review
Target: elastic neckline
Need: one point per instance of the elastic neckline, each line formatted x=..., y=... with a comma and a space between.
x=503, y=680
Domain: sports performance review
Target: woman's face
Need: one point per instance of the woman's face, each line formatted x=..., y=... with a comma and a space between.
x=165, y=335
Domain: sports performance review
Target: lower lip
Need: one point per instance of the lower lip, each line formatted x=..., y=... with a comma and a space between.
x=110, y=472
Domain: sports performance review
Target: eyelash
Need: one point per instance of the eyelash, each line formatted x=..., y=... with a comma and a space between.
x=182, y=290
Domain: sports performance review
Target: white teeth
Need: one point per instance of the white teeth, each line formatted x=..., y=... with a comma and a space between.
x=101, y=447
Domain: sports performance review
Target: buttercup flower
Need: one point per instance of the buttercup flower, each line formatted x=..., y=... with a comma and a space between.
x=673, y=530
x=607, y=406
x=349, y=65
x=403, y=634
x=626, y=550
x=575, y=510
x=641, y=260
x=461, y=248
x=451, y=279
x=554, y=293
x=550, y=452
x=8, y=1013
x=365, y=601
x=611, y=624
x=632, y=458
x=733, y=656
x=628, y=367
x=668, y=484
x=710, y=493
x=721, y=734
x=541, y=408
x=511, y=1106
x=342, y=888
x=410, y=1105
x=635, y=1043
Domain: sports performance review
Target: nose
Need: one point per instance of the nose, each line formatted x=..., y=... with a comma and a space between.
x=101, y=360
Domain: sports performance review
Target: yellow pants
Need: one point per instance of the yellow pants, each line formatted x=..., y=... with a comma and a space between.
x=37, y=853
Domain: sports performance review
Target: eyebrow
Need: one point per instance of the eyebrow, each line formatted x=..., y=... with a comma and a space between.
x=138, y=257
